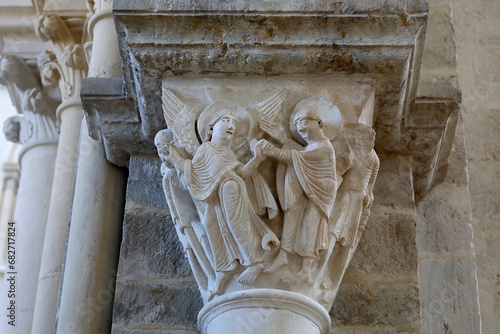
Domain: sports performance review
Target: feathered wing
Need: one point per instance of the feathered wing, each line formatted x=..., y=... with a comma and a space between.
x=271, y=107
x=181, y=119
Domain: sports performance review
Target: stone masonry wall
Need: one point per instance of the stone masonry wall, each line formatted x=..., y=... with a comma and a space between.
x=156, y=293
x=155, y=290
x=380, y=293
x=478, y=56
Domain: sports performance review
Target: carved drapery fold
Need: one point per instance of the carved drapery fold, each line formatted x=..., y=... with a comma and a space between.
x=282, y=136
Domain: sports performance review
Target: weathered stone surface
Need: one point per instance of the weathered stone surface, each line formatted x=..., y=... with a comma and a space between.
x=457, y=170
x=144, y=182
x=485, y=185
x=387, y=245
x=486, y=237
x=345, y=7
x=449, y=302
x=478, y=48
x=394, y=305
x=393, y=188
x=487, y=146
x=175, y=41
x=439, y=57
x=489, y=293
x=359, y=330
x=446, y=270
x=118, y=330
x=166, y=304
x=444, y=221
x=150, y=248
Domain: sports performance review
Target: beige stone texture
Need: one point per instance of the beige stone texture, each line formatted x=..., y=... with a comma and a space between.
x=478, y=48
x=380, y=290
x=439, y=57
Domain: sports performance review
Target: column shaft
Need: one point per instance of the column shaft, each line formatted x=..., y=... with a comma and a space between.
x=58, y=218
x=86, y=302
x=93, y=243
x=30, y=217
x=6, y=212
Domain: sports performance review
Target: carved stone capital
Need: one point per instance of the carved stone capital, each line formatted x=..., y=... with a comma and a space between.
x=50, y=71
x=74, y=57
x=12, y=128
x=37, y=123
x=230, y=145
x=65, y=63
x=47, y=26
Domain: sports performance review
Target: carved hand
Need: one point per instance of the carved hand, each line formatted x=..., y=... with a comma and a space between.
x=266, y=147
x=273, y=129
x=257, y=149
x=164, y=151
x=168, y=154
x=368, y=200
x=175, y=158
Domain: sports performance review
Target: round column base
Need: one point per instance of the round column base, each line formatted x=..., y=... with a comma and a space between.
x=263, y=311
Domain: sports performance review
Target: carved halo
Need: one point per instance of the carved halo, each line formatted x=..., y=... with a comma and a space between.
x=327, y=111
x=242, y=130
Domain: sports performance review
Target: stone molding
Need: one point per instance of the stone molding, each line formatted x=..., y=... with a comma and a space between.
x=265, y=301
x=355, y=38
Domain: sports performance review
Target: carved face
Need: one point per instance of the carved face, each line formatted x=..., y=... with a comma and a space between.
x=223, y=131
x=307, y=127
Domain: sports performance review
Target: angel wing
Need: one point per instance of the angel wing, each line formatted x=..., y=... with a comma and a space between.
x=271, y=107
x=181, y=119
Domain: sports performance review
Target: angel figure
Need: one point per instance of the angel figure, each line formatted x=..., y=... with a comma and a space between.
x=356, y=191
x=309, y=189
x=216, y=178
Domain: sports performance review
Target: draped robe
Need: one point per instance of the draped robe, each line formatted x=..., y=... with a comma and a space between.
x=310, y=189
x=235, y=231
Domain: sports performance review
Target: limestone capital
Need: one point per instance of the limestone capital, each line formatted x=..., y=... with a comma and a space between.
x=47, y=26
x=230, y=141
x=36, y=122
x=12, y=128
x=50, y=71
x=74, y=57
x=65, y=64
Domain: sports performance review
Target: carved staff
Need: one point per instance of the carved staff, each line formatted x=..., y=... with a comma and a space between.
x=194, y=245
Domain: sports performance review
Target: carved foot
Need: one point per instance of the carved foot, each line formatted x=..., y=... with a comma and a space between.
x=280, y=261
x=288, y=281
x=305, y=276
x=305, y=273
x=220, y=281
x=250, y=274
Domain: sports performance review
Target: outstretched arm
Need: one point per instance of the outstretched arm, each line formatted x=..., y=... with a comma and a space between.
x=251, y=167
x=282, y=155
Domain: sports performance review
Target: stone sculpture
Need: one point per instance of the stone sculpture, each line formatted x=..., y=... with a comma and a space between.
x=215, y=179
x=309, y=190
x=38, y=120
x=225, y=206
